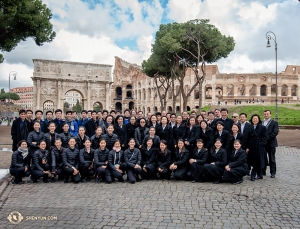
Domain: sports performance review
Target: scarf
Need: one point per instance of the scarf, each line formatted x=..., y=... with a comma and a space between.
x=23, y=151
x=117, y=149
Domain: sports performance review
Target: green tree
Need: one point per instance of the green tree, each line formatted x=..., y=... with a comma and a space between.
x=77, y=107
x=2, y=91
x=13, y=96
x=21, y=19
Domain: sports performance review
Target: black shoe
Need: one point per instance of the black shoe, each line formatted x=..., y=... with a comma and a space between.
x=138, y=179
x=45, y=180
x=34, y=180
x=217, y=182
x=259, y=178
x=98, y=180
x=238, y=182
x=53, y=179
x=201, y=180
x=252, y=179
x=264, y=173
x=66, y=180
x=83, y=180
x=272, y=175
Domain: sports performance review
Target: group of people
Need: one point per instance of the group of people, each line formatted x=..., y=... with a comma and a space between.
x=105, y=146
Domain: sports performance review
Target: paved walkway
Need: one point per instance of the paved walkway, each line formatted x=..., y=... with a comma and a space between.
x=267, y=203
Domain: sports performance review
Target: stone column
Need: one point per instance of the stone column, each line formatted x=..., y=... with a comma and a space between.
x=236, y=91
x=38, y=94
x=289, y=92
x=59, y=105
x=247, y=90
x=258, y=90
x=107, y=102
x=213, y=90
x=88, y=96
x=269, y=93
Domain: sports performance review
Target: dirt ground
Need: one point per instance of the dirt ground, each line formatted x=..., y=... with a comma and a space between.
x=286, y=137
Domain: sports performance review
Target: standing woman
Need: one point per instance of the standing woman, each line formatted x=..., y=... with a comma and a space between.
x=20, y=163
x=95, y=139
x=109, y=120
x=155, y=124
x=101, y=161
x=86, y=157
x=34, y=138
x=40, y=163
x=65, y=135
x=116, y=163
x=192, y=134
x=133, y=159
x=140, y=133
x=216, y=163
x=237, y=166
x=81, y=138
x=199, y=118
x=235, y=135
x=199, y=158
x=148, y=160
x=180, y=164
x=57, y=159
x=156, y=139
x=166, y=133
x=223, y=135
x=110, y=137
x=71, y=162
x=121, y=131
x=255, y=147
x=179, y=129
x=163, y=160
x=131, y=126
x=51, y=136
x=207, y=135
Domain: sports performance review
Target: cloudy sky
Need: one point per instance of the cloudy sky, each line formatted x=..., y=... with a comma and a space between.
x=97, y=30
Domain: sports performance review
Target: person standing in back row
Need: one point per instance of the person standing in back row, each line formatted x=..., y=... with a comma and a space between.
x=272, y=131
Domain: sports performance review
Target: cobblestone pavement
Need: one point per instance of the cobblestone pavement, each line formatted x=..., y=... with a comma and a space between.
x=267, y=203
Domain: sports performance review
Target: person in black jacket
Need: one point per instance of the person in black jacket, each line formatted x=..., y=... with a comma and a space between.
x=101, y=161
x=51, y=136
x=234, y=135
x=34, y=138
x=207, y=135
x=199, y=158
x=40, y=164
x=132, y=157
x=65, y=135
x=20, y=163
x=131, y=126
x=180, y=164
x=155, y=123
x=156, y=139
x=121, y=131
x=226, y=121
x=163, y=160
x=140, y=133
x=57, y=160
x=91, y=125
x=148, y=160
x=80, y=138
x=20, y=129
x=237, y=166
x=95, y=139
x=223, y=135
x=116, y=164
x=71, y=162
x=166, y=133
x=86, y=157
x=110, y=137
x=179, y=129
x=192, y=134
x=58, y=121
x=217, y=161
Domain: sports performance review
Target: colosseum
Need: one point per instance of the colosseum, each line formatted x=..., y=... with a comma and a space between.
x=132, y=89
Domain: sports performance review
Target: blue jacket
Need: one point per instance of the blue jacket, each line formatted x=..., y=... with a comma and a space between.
x=73, y=128
x=82, y=122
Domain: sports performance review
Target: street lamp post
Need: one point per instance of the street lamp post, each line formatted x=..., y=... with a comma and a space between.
x=270, y=37
x=14, y=73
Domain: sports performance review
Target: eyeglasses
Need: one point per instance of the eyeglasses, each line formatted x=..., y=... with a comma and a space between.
x=234, y=116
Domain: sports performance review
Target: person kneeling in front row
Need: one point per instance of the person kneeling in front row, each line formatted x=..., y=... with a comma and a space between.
x=180, y=165
x=20, y=163
x=237, y=166
x=116, y=164
x=133, y=159
x=71, y=162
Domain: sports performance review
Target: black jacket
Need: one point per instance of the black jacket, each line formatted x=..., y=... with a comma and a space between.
x=46, y=125
x=96, y=141
x=85, y=157
x=163, y=160
x=207, y=137
x=167, y=135
x=100, y=157
x=59, y=124
x=201, y=156
x=148, y=156
x=49, y=140
x=90, y=127
x=110, y=140
x=65, y=137
x=56, y=158
x=34, y=137
x=19, y=131
x=156, y=141
x=192, y=135
x=227, y=123
x=38, y=156
x=71, y=157
x=80, y=141
x=225, y=137
x=245, y=130
x=130, y=130
x=138, y=136
x=239, y=159
x=272, y=132
x=115, y=158
x=181, y=159
x=132, y=158
x=17, y=160
x=179, y=132
x=219, y=158
x=240, y=137
x=121, y=133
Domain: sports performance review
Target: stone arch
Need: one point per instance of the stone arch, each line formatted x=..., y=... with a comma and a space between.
x=294, y=90
x=219, y=90
x=131, y=105
x=208, y=91
x=253, y=90
x=129, y=86
x=230, y=89
x=118, y=93
x=128, y=94
x=155, y=109
x=48, y=105
x=118, y=106
x=97, y=106
x=284, y=90
x=170, y=109
x=263, y=90
x=177, y=108
x=72, y=95
x=188, y=108
x=273, y=89
x=241, y=89
x=148, y=109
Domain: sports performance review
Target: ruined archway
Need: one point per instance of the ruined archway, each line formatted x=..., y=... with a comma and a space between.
x=97, y=106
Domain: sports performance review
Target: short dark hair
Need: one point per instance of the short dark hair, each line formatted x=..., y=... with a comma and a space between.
x=52, y=122
x=112, y=111
x=58, y=110
x=22, y=111
x=89, y=111
x=210, y=112
x=141, y=112
x=74, y=112
x=158, y=113
x=105, y=111
x=224, y=109
x=243, y=114
x=93, y=111
x=38, y=112
x=217, y=109
x=267, y=111
x=172, y=114
x=84, y=111
x=259, y=120
x=68, y=112
x=126, y=110
x=49, y=112
x=220, y=122
x=99, y=112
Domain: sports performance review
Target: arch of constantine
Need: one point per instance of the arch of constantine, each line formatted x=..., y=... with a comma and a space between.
x=52, y=80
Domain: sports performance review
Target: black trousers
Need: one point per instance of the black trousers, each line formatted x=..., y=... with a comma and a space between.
x=197, y=171
x=85, y=172
x=36, y=174
x=69, y=172
x=115, y=174
x=132, y=173
x=180, y=173
x=255, y=171
x=150, y=171
x=18, y=173
x=271, y=159
x=103, y=172
x=213, y=171
x=165, y=174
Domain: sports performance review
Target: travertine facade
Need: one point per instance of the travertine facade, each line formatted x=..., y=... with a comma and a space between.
x=26, y=97
x=52, y=80
x=133, y=89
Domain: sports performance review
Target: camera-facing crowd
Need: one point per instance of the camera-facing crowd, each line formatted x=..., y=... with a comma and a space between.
x=103, y=146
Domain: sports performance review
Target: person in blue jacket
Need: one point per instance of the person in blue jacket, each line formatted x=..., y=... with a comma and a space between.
x=73, y=126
